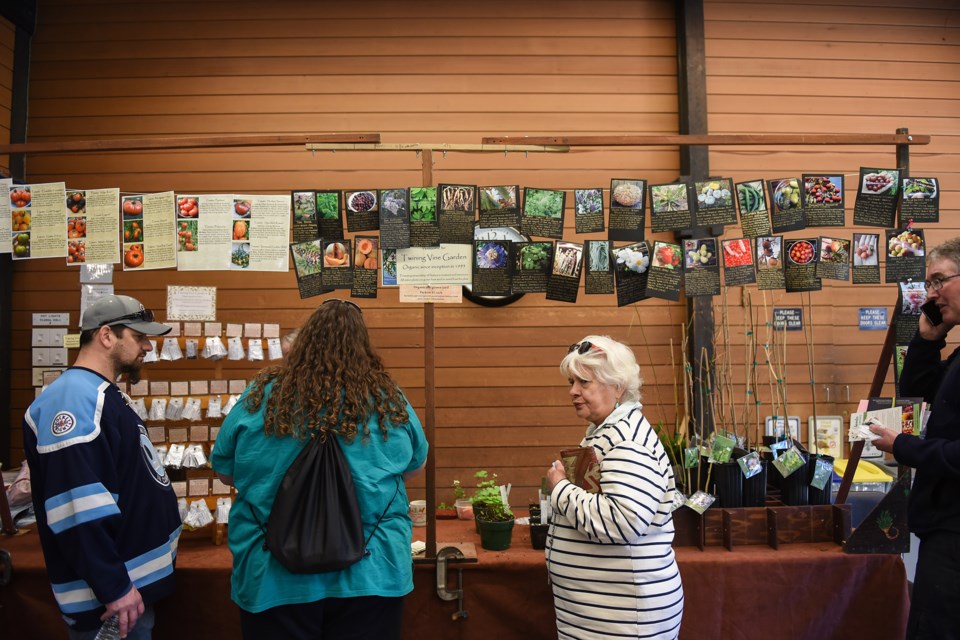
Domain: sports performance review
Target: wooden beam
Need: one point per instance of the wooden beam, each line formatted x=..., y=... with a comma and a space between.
x=186, y=142
x=717, y=139
x=427, y=146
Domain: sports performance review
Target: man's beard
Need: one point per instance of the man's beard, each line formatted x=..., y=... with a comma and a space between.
x=131, y=370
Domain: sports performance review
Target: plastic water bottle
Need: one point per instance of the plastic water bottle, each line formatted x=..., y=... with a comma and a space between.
x=109, y=630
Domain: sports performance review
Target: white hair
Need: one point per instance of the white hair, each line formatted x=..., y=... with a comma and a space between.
x=608, y=362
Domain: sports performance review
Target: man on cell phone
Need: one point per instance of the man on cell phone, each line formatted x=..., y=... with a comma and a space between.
x=934, y=502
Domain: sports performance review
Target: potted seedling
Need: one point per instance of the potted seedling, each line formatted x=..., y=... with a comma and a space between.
x=445, y=511
x=493, y=517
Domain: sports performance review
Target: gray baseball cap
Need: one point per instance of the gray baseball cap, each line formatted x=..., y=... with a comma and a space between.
x=122, y=310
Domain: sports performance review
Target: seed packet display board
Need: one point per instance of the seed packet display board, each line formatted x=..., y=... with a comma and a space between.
x=94, y=235
x=38, y=219
x=156, y=215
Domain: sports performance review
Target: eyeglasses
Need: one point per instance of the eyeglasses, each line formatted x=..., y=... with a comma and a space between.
x=144, y=315
x=352, y=304
x=937, y=283
x=582, y=347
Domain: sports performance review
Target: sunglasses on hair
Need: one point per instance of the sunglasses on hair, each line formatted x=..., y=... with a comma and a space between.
x=582, y=347
x=352, y=304
x=144, y=315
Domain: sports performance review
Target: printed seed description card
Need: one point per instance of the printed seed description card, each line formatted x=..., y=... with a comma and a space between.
x=770, y=271
x=38, y=219
x=754, y=213
x=395, y=218
x=626, y=210
x=714, y=203
x=96, y=227
x=597, y=270
x=457, y=210
x=921, y=200
x=632, y=269
x=156, y=215
x=834, y=262
x=588, y=210
x=491, y=267
x=424, y=227
x=500, y=206
x=337, y=271
x=866, y=261
x=564, y=280
x=801, y=266
x=532, y=262
x=787, y=212
x=543, y=213
x=365, y=267
x=308, y=266
x=305, y=226
x=206, y=242
x=906, y=253
x=670, y=207
x=823, y=199
x=362, y=210
x=666, y=271
x=877, y=196
x=738, y=266
x=701, y=271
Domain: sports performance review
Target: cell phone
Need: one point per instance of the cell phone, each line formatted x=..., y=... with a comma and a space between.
x=932, y=311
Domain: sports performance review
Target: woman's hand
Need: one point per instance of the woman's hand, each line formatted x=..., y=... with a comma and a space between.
x=555, y=474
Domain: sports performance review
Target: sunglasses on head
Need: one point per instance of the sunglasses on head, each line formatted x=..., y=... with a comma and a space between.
x=582, y=347
x=144, y=315
x=342, y=301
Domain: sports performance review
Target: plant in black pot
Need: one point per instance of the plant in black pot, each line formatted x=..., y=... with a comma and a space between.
x=494, y=518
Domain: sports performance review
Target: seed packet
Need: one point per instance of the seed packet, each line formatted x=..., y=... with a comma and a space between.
x=151, y=355
x=213, y=348
x=214, y=407
x=255, y=349
x=750, y=464
x=678, y=501
x=789, y=461
x=822, y=473
x=722, y=449
x=235, y=349
x=223, y=510
x=139, y=407
x=190, y=345
x=274, y=352
x=171, y=350
x=700, y=501
x=175, y=456
x=174, y=409
x=158, y=409
x=691, y=457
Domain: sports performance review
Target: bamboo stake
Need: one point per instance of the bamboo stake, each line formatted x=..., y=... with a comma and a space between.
x=810, y=361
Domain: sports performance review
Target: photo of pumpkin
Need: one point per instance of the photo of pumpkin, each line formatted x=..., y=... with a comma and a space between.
x=133, y=256
x=336, y=255
x=366, y=254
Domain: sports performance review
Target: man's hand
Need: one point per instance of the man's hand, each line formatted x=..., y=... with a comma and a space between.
x=128, y=610
x=933, y=333
x=887, y=436
x=555, y=474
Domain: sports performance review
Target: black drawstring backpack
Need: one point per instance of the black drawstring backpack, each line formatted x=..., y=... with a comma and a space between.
x=314, y=524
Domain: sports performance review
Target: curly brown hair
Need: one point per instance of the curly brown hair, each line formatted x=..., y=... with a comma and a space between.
x=331, y=381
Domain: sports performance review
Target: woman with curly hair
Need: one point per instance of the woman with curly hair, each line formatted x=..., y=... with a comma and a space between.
x=332, y=382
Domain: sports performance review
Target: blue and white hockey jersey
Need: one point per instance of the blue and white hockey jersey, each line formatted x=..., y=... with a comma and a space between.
x=106, y=513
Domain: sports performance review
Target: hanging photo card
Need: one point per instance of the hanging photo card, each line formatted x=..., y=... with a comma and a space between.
x=754, y=212
x=770, y=270
x=701, y=269
x=388, y=271
x=626, y=209
x=866, y=260
x=532, y=262
x=156, y=215
x=362, y=210
x=666, y=270
x=786, y=212
x=204, y=242
x=500, y=206
x=877, y=196
x=7, y=228
x=337, y=272
x=305, y=226
x=96, y=228
x=308, y=267
x=920, y=201
x=598, y=268
x=266, y=235
x=738, y=263
x=38, y=218
x=823, y=199
x=906, y=318
x=446, y=264
x=542, y=213
x=424, y=227
x=395, y=218
x=588, y=210
x=632, y=269
x=365, y=267
x=564, y=280
x=834, y=262
x=905, y=255
x=670, y=207
x=491, y=268
x=457, y=209
x=800, y=273
x=714, y=203
x=329, y=215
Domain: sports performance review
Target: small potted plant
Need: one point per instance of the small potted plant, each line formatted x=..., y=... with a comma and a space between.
x=494, y=518
x=462, y=503
x=445, y=511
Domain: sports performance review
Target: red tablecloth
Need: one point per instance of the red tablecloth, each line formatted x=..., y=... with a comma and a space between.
x=801, y=591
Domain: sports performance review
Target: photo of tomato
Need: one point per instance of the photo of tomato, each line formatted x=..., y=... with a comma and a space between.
x=132, y=231
x=20, y=197
x=76, y=227
x=76, y=252
x=187, y=207
x=133, y=256
x=21, y=220
x=132, y=207
x=76, y=202
x=802, y=252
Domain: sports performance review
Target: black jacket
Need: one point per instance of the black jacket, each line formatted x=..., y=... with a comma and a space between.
x=934, y=502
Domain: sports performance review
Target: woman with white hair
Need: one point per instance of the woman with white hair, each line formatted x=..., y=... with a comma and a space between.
x=609, y=554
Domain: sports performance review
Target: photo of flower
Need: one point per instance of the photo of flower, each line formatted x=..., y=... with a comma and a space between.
x=633, y=258
x=491, y=255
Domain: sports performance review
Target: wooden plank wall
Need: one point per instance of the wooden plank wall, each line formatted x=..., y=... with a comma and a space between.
x=853, y=66
x=426, y=71
x=7, y=38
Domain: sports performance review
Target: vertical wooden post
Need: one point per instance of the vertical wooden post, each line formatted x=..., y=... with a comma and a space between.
x=429, y=390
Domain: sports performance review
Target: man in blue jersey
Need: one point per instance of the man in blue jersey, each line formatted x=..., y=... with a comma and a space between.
x=106, y=513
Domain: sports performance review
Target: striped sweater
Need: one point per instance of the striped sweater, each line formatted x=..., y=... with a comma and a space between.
x=609, y=555
x=106, y=513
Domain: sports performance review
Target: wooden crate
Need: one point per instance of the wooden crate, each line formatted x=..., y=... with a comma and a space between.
x=770, y=525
